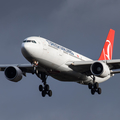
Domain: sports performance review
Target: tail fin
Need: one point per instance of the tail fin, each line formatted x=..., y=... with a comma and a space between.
x=107, y=50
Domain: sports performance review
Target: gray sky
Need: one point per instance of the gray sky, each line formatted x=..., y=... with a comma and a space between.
x=80, y=25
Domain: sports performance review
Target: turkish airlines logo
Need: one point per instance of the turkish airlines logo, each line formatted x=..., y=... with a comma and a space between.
x=108, y=50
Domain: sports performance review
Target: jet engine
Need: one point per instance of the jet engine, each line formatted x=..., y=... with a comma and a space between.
x=100, y=69
x=13, y=73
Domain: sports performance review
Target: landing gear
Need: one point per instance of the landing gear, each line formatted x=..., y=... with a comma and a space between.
x=94, y=87
x=44, y=89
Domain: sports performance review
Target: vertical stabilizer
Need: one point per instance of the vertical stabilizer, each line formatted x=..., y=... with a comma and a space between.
x=107, y=50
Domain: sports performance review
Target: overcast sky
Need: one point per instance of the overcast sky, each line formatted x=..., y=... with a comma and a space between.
x=80, y=25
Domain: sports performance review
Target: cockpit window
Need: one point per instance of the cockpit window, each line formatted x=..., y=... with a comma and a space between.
x=29, y=41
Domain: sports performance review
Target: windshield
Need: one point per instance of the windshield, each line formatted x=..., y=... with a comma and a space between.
x=33, y=41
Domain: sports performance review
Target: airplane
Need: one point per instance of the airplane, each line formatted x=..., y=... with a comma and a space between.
x=50, y=59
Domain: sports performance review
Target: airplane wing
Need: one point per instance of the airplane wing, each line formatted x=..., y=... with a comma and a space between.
x=26, y=68
x=84, y=66
x=80, y=66
x=114, y=64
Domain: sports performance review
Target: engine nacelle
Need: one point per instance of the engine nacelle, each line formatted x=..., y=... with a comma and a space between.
x=13, y=73
x=100, y=69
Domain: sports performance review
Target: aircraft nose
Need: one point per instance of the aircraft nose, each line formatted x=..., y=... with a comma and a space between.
x=31, y=49
x=26, y=50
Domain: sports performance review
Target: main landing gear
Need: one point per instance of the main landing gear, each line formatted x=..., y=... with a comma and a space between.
x=94, y=87
x=44, y=89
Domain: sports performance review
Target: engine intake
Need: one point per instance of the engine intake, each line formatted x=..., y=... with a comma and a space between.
x=100, y=69
x=13, y=73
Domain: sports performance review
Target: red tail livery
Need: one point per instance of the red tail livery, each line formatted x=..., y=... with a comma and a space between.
x=107, y=50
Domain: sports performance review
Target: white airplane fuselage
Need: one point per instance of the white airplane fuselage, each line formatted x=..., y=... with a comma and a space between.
x=52, y=58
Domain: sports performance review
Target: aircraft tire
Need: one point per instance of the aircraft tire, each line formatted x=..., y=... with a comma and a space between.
x=43, y=93
x=40, y=88
x=46, y=87
x=90, y=86
x=92, y=91
x=50, y=93
x=99, y=91
x=96, y=85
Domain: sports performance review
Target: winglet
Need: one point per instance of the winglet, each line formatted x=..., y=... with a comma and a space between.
x=107, y=50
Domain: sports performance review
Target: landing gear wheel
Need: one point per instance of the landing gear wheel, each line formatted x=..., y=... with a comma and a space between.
x=46, y=87
x=99, y=91
x=43, y=93
x=92, y=91
x=50, y=93
x=96, y=85
x=90, y=86
x=40, y=88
